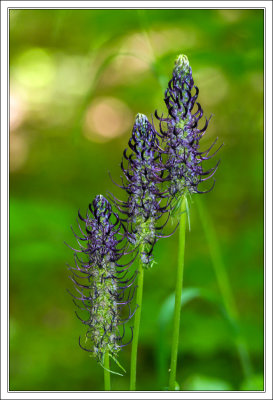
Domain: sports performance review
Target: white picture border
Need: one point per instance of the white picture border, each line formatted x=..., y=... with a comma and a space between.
x=5, y=6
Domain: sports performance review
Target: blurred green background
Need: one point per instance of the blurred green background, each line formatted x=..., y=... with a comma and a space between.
x=77, y=79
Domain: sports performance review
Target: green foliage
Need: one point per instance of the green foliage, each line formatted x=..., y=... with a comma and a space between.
x=198, y=382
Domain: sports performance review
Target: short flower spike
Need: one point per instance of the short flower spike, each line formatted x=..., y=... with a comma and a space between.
x=182, y=133
x=100, y=282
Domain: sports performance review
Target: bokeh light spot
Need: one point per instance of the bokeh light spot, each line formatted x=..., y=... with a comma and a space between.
x=73, y=76
x=34, y=68
x=213, y=85
x=18, y=151
x=106, y=119
x=170, y=39
x=124, y=69
x=17, y=110
x=140, y=45
x=231, y=16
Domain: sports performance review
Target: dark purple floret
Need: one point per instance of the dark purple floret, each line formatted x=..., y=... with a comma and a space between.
x=143, y=175
x=103, y=289
x=182, y=134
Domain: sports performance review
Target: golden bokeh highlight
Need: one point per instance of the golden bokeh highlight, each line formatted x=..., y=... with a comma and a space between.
x=107, y=118
x=18, y=151
x=213, y=85
x=17, y=110
x=164, y=40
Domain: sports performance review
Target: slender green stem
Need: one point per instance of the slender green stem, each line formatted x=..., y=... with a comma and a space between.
x=136, y=324
x=107, y=382
x=224, y=283
x=178, y=293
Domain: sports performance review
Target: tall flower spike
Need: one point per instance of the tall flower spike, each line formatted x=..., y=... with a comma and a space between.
x=182, y=136
x=100, y=282
x=143, y=174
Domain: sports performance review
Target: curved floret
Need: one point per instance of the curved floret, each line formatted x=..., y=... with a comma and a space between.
x=100, y=281
x=181, y=133
x=143, y=174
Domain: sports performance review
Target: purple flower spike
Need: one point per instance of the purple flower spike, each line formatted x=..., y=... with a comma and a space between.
x=101, y=283
x=143, y=173
x=182, y=135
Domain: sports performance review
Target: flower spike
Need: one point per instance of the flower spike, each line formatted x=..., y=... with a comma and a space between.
x=143, y=172
x=100, y=291
x=182, y=134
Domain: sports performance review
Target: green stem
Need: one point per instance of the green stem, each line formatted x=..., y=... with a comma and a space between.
x=224, y=284
x=107, y=382
x=178, y=293
x=136, y=324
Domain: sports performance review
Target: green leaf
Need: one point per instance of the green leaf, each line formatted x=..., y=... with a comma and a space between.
x=164, y=320
x=199, y=382
x=167, y=309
